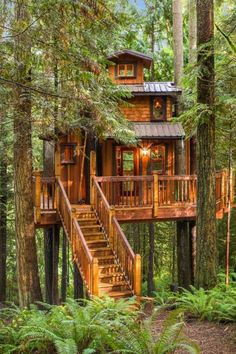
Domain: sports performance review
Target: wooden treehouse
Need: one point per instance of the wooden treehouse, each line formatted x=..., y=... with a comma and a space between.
x=153, y=181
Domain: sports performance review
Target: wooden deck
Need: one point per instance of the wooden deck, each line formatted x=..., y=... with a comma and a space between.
x=134, y=198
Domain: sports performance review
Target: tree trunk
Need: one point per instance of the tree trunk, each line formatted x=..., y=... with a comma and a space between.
x=192, y=31
x=184, y=259
x=51, y=257
x=27, y=263
x=55, y=261
x=178, y=40
x=78, y=284
x=89, y=147
x=206, y=268
x=64, y=269
x=3, y=215
x=150, y=278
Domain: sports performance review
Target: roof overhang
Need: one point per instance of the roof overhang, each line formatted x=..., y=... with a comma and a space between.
x=146, y=59
x=159, y=130
x=154, y=89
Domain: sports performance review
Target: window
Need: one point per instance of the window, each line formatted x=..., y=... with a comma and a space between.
x=158, y=108
x=125, y=70
x=68, y=153
x=158, y=159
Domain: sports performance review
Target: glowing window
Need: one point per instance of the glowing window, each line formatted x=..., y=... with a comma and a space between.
x=158, y=109
x=68, y=153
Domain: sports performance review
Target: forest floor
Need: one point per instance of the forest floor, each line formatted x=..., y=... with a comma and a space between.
x=212, y=338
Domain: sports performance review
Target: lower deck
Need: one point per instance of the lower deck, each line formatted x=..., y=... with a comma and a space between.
x=133, y=198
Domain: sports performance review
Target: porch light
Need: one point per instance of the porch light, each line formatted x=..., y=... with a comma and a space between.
x=145, y=151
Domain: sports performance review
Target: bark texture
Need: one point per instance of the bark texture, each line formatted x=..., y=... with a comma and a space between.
x=64, y=278
x=184, y=253
x=192, y=31
x=206, y=207
x=178, y=40
x=150, y=279
x=3, y=214
x=27, y=264
x=78, y=284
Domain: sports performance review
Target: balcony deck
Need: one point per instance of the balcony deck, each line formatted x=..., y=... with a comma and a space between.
x=136, y=198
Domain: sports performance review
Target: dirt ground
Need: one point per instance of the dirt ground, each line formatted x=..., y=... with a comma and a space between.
x=212, y=338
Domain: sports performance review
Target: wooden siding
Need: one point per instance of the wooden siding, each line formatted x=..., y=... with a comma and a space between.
x=168, y=108
x=70, y=173
x=126, y=59
x=139, y=111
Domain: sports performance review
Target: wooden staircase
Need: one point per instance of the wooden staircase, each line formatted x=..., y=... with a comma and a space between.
x=100, y=249
x=111, y=278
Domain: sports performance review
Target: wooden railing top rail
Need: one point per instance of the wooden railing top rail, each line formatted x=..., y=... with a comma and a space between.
x=123, y=178
x=83, y=241
x=107, y=205
x=124, y=239
x=64, y=194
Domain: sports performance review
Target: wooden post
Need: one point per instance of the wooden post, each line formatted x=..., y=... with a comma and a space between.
x=137, y=275
x=232, y=181
x=110, y=227
x=223, y=176
x=37, y=175
x=92, y=174
x=155, y=194
x=95, y=290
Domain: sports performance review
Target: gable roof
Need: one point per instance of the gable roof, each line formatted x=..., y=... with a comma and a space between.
x=147, y=59
x=152, y=88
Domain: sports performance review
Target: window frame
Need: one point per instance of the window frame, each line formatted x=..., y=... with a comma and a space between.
x=164, y=114
x=125, y=75
x=163, y=160
x=72, y=146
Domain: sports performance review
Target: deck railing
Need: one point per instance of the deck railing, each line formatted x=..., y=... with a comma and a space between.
x=87, y=264
x=158, y=191
x=130, y=262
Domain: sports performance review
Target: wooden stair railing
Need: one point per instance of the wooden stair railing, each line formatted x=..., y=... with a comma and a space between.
x=87, y=264
x=130, y=262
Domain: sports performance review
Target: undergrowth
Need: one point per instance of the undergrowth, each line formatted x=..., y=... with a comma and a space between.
x=97, y=326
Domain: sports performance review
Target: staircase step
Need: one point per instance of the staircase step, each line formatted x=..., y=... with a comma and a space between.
x=99, y=242
x=112, y=285
x=94, y=237
x=120, y=294
x=111, y=275
x=101, y=251
x=105, y=260
x=87, y=220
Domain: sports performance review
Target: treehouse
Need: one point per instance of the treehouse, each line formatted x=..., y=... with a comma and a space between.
x=94, y=189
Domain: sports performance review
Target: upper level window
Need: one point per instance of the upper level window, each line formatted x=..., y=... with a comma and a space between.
x=68, y=153
x=125, y=70
x=158, y=108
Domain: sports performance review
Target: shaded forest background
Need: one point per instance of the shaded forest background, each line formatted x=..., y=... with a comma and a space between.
x=70, y=83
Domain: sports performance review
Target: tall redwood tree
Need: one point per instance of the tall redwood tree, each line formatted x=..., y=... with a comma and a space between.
x=27, y=265
x=206, y=267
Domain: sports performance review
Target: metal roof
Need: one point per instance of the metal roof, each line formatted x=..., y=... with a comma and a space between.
x=150, y=88
x=158, y=130
x=147, y=59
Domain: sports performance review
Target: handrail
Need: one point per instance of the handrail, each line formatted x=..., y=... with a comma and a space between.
x=83, y=241
x=88, y=265
x=130, y=263
x=123, y=238
x=106, y=204
x=64, y=193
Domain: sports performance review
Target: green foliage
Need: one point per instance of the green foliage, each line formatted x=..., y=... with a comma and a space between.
x=217, y=304
x=97, y=326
